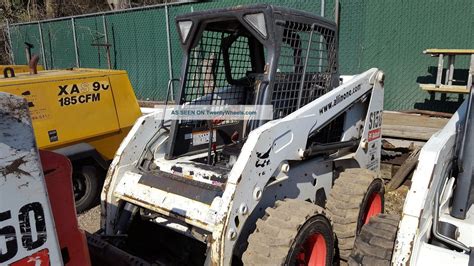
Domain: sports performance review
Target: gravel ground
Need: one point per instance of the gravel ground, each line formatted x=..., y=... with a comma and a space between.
x=90, y=220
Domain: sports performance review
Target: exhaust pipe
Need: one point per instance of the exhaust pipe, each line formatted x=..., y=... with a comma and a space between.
x=33, y=65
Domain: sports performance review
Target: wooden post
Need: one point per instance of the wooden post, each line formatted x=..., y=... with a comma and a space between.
x=450, y=70
x=439, y=75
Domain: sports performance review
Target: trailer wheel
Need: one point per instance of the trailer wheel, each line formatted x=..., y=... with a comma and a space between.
x=374, y=245
x=86, y=185
x=357, y=195
x=292, y=233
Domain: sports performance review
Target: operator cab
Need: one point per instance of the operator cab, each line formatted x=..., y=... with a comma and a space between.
x=258, y=55
x=252, y=56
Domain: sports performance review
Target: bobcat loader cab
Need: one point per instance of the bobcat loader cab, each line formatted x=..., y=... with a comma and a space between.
x=167, y=176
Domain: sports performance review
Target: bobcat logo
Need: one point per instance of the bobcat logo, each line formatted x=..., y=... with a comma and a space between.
x=263, y=158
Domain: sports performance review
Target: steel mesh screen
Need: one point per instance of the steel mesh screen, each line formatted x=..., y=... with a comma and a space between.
x=306, y=65
x=206, y=81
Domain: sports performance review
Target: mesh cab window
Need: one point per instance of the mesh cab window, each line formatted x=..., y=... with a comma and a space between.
x=239, y=58
x=218, y=71
x=207, y=81
x=305, y=68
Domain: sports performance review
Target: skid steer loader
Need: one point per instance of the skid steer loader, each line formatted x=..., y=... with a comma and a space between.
x=261, y=192
x=437, y=223
x=38, y=224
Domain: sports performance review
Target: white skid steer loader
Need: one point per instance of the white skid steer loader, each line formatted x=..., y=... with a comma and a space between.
x=260, y=192
x=437, y=223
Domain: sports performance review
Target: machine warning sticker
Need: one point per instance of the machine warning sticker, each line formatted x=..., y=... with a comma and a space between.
x=39, y=258
x=374, y=134
x=36, y=105
x=82, y=93
x=373, y=163
x=53, y=135
x=202, y=137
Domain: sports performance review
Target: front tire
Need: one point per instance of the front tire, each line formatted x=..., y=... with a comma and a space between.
x=375, y=243
x=292, y=233
x=357, y=195
x=87, y=186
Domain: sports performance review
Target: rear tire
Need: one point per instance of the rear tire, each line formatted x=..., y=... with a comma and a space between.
x=374, y=245
x=357, y=195
x=87, y=187
x=292, y=233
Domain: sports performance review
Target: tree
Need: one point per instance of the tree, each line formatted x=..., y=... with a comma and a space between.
x=118, y=4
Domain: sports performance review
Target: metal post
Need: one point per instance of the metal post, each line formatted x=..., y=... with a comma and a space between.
x=43, y=54
x=439, y=75
x=106, y=37
x=76, y=51
x=336, y=17
x=12, y=56
x=321, y=39
x=170, y=59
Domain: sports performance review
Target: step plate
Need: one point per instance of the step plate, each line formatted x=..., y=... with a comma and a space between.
x=182, y=186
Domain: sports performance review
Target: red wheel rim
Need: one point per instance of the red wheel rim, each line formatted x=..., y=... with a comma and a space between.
x=313, y=251
x=374, y=206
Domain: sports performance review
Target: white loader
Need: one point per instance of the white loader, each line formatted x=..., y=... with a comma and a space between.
x=437, y=223
x=293, y=189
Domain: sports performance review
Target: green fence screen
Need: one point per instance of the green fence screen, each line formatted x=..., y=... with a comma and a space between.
x=386, y=34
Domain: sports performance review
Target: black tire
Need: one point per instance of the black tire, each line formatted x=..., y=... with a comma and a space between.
x=87, y=187
x=374, y=245
x=348, y=204
x=282, y=232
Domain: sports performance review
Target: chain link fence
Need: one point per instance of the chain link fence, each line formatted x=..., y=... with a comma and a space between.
x=135, y=40
x=373, y=33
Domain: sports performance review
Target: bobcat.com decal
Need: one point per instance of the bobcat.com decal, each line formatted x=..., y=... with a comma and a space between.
x=72, y=94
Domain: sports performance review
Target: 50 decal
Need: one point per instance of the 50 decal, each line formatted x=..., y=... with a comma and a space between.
x=32, y=231
x=71, y=94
